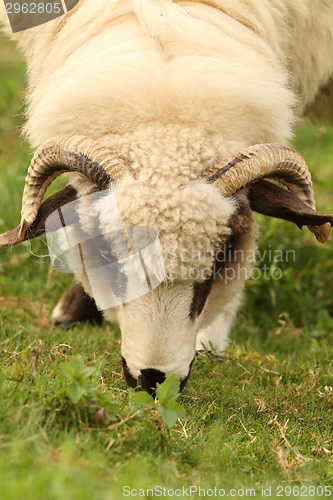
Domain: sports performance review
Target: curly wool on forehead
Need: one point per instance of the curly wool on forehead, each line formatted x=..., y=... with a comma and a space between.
x=191, y=222
x=171, y=152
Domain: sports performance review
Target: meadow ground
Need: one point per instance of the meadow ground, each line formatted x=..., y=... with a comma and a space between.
x=259, y=422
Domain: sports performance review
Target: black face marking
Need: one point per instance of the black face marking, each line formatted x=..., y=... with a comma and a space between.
x=132, y=382
x=200, y=294
x=149, y=378
x=202, y=290
x=238, y=224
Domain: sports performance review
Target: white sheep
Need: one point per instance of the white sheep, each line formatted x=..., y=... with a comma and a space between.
x=174, y=105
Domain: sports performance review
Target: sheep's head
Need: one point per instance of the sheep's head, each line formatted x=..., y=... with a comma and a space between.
x=159, y=326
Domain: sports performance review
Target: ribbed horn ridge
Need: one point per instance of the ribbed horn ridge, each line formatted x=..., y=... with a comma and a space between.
x=265, y=161
x=273, y=161
x=68, y=153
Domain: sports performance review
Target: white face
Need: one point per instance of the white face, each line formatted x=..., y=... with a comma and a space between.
x=158, y=335
x=159, y=326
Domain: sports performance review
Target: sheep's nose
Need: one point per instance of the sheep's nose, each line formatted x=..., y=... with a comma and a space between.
x=149, y=378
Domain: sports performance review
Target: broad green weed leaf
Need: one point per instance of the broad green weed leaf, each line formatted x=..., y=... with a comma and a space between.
x=166, y=404
x=89, y=386
x=171, y=412
x=75, y=392
x=75, y=370
x=80, y=369
x=87, y=372
x=169, y=390
x=77, y=364
x=67, y=370
x=142, y=399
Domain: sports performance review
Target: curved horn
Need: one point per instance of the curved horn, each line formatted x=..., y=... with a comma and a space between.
x=265, y=161
x=67, y=153
x=273, y=161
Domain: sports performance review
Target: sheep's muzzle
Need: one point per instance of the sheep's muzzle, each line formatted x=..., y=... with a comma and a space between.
x=148, y=378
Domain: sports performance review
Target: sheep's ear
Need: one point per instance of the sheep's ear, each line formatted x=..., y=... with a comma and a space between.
x=37, y=228
x=269, y=199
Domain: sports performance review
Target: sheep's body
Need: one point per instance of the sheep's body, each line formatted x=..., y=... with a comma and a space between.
x=174, y=88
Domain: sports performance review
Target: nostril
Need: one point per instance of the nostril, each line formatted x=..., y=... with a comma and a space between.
x=149, y=378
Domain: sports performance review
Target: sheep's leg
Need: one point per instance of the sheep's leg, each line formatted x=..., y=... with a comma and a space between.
x=216, y=333
x=75, y=306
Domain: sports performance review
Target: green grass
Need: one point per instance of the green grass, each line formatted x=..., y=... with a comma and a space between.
x=261, y=417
